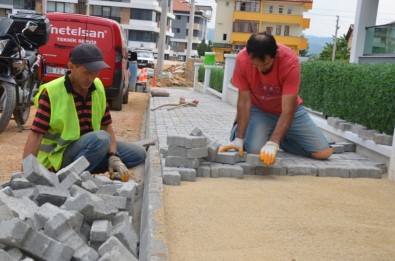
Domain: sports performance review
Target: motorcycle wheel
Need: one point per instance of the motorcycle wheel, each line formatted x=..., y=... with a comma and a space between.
x=22, y=112
x=7, y=103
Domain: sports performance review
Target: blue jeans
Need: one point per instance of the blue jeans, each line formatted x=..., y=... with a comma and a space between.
x=303, y=137
x=95, y=145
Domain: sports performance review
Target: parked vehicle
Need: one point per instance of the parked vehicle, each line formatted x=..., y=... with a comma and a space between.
x=145, y=58
x=21, y=67
x=69, y=30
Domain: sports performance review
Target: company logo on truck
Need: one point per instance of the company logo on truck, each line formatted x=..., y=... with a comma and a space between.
x=70, y=33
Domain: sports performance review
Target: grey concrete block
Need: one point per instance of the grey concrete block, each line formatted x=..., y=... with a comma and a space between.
x=174, y=161
x=55, y=196
x=128, y=189
x=357, y=127
x=7, y=191
x=335, y=121
x=204, y=171
x=31, y=193
x=110, y=189
x=115, y=201
x=90, y=186
x=345, y=126
x=86, y=175
x=196, y=132
x=348, y=146
x=302, y=170
x=5, y=212
x=230, y=171
x=20, y=183
x=15, y=253
x=192, y=153
x=274, y=169
x=104, y=180
x=212, y=148
x=187, y=141
x=100, y=230
x=124, y=232
x=334, y=171
x=117, y=249
x=78, y=166
x=4, y=256
x=230, y=157
x=382, y=139
x=214, y=169
x=70, y=180
x=337, y=148
x=247, y=168
x=367, y=134
x=21, y=207
x=254, y=160
x=172, y=178
x=18, y=234
x=37, y=174
x=365, y=172
x=48, y=211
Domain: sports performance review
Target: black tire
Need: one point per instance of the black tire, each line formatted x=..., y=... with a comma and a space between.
x=22, y=112
x=125, y=98
x=116, y=102
x=7, y=103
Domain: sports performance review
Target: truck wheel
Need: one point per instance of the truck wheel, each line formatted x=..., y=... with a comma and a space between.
x=126, y=97
x=116, y=102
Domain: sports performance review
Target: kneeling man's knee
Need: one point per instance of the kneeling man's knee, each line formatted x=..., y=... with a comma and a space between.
x=323, y=154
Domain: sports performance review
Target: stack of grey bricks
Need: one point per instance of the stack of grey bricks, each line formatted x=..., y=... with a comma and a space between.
x=361, y=131
x=185, y=159
x=70, y=215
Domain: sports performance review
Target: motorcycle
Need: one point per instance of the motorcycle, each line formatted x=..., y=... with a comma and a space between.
x=21, y=68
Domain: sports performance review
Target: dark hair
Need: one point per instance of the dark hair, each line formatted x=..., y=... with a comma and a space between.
x=132, y=56
x=261, y=44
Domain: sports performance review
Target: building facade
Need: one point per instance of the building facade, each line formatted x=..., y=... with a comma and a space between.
x=236, y=20
x=139, y=19
x=180, y=27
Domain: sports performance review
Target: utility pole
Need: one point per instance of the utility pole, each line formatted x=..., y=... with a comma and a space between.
x=162, y=38
x=335, y=40
x=190, y=32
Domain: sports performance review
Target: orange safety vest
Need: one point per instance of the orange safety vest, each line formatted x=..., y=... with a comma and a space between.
x=143, y=75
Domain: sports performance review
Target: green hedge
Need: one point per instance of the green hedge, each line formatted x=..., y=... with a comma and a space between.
x=359, y=93
x=216, y=77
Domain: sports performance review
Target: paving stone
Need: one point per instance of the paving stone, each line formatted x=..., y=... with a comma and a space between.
x=187, y=141
x=334, y=171
x=20, y=183
x=337, y=148
x=31, y=193
x=357, y=127
x=271, y=170
x=78, y=166
x=203, y=171
x=196, y=132
x=90, y=186
x=365, y=172
x=382, y=139
x=18, y=234
x=36, y=173
x=55, y=196
x=116, y=250
x=15, y=253
x=348, y=146
x=247, y=168
x=21, y=207
x=302, y=170
x=172, y=178
x=230, y=157
x=7, y=191
x=100, y=230
x=104, y=180
x=86, y=175
x=115, y=201
x=174, y=161
x=4, y=256
x=124, y=232
x=345, y=126
x=192, y=153
x=110, y=189
x=367, y=134
x=70, y=180
x=48, y=211
x=230, y=171
x=212, y=152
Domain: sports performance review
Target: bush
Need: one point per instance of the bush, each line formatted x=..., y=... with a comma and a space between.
x=359, y=93
x=216, y=77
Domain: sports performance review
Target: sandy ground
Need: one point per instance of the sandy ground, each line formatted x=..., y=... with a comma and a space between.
x=280, y=218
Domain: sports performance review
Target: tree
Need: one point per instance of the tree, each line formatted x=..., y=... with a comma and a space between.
x=342, y=51
x=304, y=52
x=203, y=47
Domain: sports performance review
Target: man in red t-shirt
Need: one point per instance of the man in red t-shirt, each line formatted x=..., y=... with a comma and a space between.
x=270, y=114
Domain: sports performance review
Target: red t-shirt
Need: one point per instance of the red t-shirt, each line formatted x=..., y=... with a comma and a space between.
x=266, y=90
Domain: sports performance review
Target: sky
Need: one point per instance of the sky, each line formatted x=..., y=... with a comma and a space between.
x=324, y=12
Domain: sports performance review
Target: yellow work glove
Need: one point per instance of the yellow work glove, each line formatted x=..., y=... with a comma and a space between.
x=116, y=165
x=236, y=144
x=269, y=152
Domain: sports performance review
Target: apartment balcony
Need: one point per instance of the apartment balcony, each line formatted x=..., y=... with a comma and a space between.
x=243, y=15
x=196, y=27
x=299, y=42
x=285, y=19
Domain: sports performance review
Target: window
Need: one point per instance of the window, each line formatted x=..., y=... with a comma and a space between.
x=269, y=30
x=245, y=26
x=25, y=4
x=224, y=37
x=143, y=14
x=176, y=30
x=60, y=7
x=178, y=17
x=110, y=12
x=280, y=9
x=289, y=10
x=278, y=29
x=143, y=36
x=286, y=30
x=248, y=5
x=270, y=9
x=227, y=4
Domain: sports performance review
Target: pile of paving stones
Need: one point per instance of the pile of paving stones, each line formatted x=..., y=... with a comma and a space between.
x=194, y=155
x=70, y=215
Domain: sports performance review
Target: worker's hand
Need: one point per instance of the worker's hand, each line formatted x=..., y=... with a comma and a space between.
x=269, y=152
x=115, y=165
x=236, y=144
